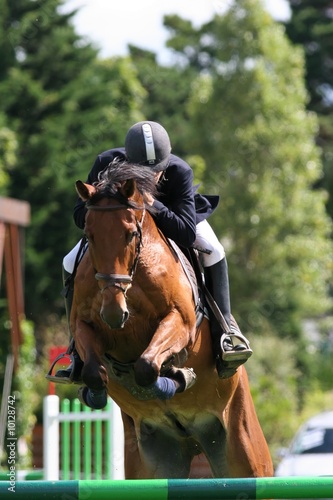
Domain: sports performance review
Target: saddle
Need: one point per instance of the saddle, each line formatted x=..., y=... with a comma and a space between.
x=205, y=306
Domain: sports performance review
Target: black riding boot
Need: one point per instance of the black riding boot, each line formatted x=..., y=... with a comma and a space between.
x=228, y=354
x=73, y=372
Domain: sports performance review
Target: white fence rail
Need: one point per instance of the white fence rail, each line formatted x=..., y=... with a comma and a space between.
x=53, y=418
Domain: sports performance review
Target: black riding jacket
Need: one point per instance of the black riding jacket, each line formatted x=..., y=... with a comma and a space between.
x=178, y=208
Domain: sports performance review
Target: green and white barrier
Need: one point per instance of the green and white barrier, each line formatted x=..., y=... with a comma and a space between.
x=171, y=489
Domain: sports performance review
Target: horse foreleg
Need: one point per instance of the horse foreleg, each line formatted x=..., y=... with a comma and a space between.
x=170, y=337
x=94, y=373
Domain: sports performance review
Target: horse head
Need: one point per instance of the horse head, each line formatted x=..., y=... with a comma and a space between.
x=115, y=212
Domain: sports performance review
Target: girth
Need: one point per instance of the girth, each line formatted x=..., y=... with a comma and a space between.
x=194, y=276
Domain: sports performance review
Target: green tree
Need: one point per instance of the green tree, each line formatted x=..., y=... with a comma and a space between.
x=251, y=126
x=311, y=27
x=65, y=106
x=8, y=158
x=167, y=95
x=26, y=395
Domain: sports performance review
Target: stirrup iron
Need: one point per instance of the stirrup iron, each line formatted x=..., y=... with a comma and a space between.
x=63, y=380
x=235, y=354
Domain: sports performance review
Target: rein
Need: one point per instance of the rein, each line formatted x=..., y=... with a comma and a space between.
x=117, y=280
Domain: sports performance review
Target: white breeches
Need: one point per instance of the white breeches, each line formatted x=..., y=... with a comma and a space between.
x=206, y=240
x=69, y=259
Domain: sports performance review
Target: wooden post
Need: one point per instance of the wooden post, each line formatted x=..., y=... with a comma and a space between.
x=13, y=214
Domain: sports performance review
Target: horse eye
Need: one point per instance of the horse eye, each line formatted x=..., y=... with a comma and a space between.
x=131, y=236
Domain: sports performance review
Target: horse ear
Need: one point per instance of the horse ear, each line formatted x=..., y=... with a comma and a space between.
x=128, y=188
x=85, y=191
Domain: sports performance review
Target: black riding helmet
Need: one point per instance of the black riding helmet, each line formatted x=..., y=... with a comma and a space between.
x=147, y=143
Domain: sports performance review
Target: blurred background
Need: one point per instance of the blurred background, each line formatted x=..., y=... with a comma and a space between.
x=245, y=90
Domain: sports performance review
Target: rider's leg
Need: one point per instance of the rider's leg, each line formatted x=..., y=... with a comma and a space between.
x=228, y=356
x=217, y=282
x=73, y=371
x=68, y=269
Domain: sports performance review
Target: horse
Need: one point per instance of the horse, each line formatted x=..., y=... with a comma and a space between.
x=135, y=328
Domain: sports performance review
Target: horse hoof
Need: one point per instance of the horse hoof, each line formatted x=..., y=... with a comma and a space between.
x=185, y=377
x=94, y=399
x=145, y=372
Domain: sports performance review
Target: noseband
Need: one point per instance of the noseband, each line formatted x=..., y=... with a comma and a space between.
x=117, y=280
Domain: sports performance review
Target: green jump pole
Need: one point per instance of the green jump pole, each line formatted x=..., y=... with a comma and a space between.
x=171, y=489
x=251, y=488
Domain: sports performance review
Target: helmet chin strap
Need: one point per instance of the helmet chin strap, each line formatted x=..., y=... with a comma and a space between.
x=149, y=142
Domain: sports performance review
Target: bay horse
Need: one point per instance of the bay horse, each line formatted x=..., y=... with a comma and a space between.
x=133, y=318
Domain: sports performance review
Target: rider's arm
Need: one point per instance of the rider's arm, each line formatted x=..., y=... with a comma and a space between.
x=175, y=212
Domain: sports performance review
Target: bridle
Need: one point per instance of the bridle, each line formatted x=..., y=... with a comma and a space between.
x=118, y=280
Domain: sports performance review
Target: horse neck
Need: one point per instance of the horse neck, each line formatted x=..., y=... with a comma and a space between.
x=150, y=230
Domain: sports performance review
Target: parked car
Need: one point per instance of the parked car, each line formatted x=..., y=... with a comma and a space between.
x=311, y=451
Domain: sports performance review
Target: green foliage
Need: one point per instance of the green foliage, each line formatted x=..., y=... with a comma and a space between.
x=163, y=103
x=26, y=397
x=235, y=105
x=322, y=350
x=258, y=141
x=8, y=147
x=311, y=27
x=199, y=167
x=63, y=114
x=273, y=381
x=250, y=124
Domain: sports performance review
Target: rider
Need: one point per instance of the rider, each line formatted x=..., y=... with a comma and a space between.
x=181, y=215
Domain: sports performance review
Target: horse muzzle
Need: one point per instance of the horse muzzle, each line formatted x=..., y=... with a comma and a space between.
x=114, y=314
x=114, y=310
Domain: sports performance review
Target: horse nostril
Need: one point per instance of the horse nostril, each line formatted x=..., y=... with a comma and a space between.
x=113, y=319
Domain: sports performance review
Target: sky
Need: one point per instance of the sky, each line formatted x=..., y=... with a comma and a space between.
x=112, y=24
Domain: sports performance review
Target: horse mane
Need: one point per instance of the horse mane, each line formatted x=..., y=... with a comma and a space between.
x=117, y=172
